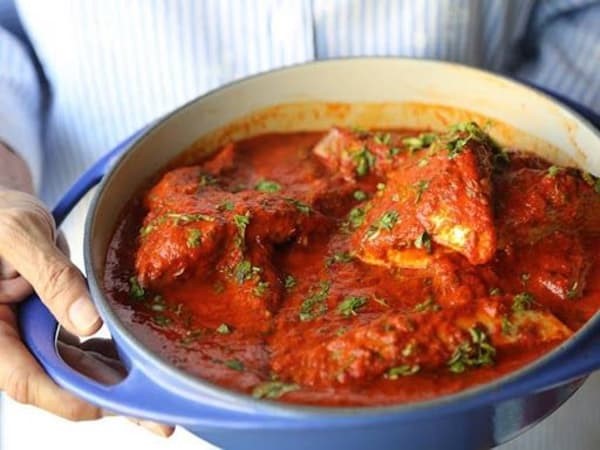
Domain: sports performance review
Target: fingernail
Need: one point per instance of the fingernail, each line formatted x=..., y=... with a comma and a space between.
x=83, y=315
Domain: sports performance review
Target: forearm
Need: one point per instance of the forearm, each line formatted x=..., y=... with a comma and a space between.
x=14, y=173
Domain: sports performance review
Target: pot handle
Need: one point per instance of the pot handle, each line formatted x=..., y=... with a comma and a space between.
x=137, y=395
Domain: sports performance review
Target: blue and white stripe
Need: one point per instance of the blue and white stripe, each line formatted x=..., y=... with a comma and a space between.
x=113, y=66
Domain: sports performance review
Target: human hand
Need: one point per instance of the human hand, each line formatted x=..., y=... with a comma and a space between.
x=30, y=257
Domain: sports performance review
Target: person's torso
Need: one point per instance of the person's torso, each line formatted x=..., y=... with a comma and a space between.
x=114, y=66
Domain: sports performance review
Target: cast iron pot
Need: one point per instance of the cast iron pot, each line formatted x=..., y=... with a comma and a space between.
x=371, y=92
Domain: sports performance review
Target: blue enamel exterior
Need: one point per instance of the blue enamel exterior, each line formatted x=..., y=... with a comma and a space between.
x=477, y=419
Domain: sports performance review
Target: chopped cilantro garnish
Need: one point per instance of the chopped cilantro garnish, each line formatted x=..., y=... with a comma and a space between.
x=393, y=152
x=161, y=321
x=234, y=364
x=261, y=288
x=404, y=370
x=267, y=186
x=420, y=187
x=339, y=257
x=365, y=160
x=223, y=329
x=429, y=304
x=419, y=142
x=315, y=304
x=478, y=352
x=385, y=222
x=424, y=241
x=273, y=389
x=522, y=301
x=383, y=138
x=135, y=289
x=351, y=304
x=245, y=271
x=289, y=282
x=206, y=179
x=360, y=195
x=241, y=222
x=356, y=217
x=553, y=171
x=508, y=328
x=226, y=205
x=300, y=206
x=193, y=238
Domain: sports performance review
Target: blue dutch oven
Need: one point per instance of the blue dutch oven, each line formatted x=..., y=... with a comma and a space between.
x=372, y=92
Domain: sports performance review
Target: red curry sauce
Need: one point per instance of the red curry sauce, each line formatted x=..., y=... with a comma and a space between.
x=358, y=268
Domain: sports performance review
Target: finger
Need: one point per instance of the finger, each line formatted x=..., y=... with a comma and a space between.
x=63, y=245
x=23, y=379
x=7, y=271
x=14, y=290
x=27, y=242
x=156, y=428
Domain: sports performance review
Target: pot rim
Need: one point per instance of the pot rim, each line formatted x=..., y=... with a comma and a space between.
x=486, y=393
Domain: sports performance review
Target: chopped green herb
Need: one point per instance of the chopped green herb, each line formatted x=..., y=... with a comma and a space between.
x=522, y=301
x=289, y=282
x=261, y=288
x=339, y=257
x=573, y=291
x=273, y=389
x=193, y=238
x=360, y=195
x=420, y=187
x=404, y=370
x=234, y=364
x=315, y=304
x=385, y=222
x=161, y=321
x=356, y=217
x=177, y=218
x=423, y=162
x=424, y=241
x=456, y=139
x=408, y=349
x=393, y=152
x=226, y=205
x=419, y=142
x=241, y=222
x=553, y=171
x=495, y=292
x=300, y=206
x=478, y=352
x=429, y=304
x=135, y=289
x=365, y=160
x=244, y=271
x=267, y=186
x=192, y=335
x=158, y=306
x=508, y=328
x=383, y=138
x=350, y=305
x=206, y=179
x=591, y=180
x=223, y=329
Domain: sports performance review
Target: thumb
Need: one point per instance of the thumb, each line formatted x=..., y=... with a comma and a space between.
x=27, y=233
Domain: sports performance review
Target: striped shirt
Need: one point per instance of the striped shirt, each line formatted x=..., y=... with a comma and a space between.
x=77, y=76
